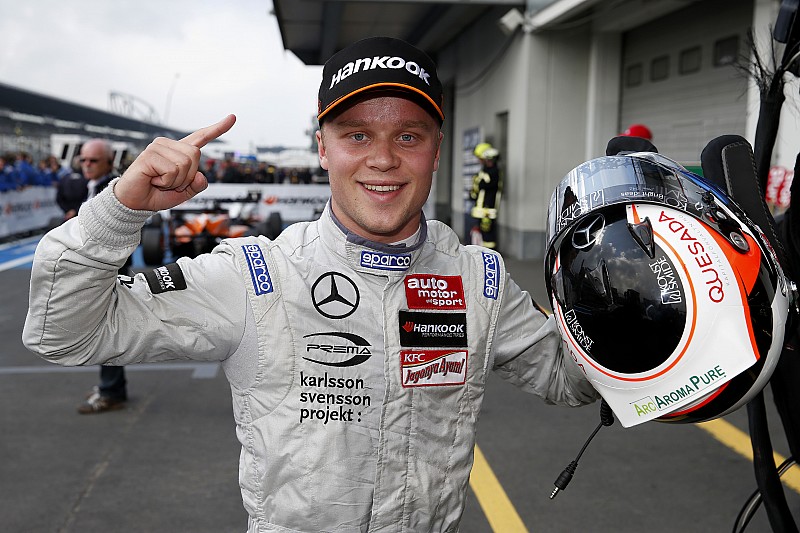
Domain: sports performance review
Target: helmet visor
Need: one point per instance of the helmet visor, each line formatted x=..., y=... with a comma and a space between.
x=640, y=177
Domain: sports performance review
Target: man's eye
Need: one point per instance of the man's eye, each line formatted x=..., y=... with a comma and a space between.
x=406, y=137
x=359, y=136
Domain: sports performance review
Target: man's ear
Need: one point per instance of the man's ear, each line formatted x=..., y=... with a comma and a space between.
x=438, y=152
x=323, y=157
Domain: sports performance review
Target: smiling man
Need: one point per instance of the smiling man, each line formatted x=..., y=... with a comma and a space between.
x=357, y=346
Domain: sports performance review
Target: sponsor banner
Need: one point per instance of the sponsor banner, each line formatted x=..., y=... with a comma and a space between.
x=428, y=291
x=293, y=202
x=433, y=330
x=382, y=261
x=262, y=284
x=26, y=210
x=165, y=279
x=431, y=368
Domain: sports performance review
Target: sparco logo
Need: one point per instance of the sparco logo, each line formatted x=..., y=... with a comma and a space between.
x=370, y=63
x=491, y=276
x=258, y=269
x=358, y=349
x=385, y=261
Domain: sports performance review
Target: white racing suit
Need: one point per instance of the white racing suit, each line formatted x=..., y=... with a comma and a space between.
x=357, y=369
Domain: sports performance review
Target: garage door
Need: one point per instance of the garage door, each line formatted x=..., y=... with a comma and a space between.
x=679, y=78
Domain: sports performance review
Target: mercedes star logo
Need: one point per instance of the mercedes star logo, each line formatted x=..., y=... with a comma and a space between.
x=588, y=231
x=335, y=295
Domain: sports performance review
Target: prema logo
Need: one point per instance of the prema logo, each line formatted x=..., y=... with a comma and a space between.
x=337, y=344
x=385, y=62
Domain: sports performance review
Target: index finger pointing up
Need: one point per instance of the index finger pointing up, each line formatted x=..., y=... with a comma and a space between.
x=205, y=135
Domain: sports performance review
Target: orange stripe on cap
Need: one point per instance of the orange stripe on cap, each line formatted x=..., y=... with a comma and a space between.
x=379, y=86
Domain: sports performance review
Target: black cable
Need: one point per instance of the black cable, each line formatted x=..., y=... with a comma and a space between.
x=754, y=501
x=606, y=419
x=769, y=484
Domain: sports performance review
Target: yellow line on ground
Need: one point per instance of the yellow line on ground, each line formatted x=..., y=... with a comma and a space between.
x=739, y=441
x=502, y=516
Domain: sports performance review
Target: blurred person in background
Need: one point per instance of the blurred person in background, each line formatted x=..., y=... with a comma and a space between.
x=97, y=166
x=71, y=190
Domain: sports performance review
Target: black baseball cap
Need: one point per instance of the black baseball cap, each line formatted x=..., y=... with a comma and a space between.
x=380, y=63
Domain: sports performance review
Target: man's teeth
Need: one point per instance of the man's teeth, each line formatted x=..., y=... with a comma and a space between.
x=381, y=188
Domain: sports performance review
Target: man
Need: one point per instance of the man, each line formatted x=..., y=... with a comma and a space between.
x=356, y=346
x=97, y=167
x=486, y=190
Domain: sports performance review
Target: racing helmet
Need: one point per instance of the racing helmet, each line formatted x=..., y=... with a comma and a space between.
x=665, y=293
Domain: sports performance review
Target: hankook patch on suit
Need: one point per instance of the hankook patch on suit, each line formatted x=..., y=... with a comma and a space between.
x=334, y=295
x=431, y=368
x=433, y=330
x=262, y=283
x=165, y=279
x=429, y=291
x=329, y=347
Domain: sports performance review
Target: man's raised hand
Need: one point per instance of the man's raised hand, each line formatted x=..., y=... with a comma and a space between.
x=166, y=173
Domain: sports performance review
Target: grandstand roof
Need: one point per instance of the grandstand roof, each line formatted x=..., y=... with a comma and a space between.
x=22, y=106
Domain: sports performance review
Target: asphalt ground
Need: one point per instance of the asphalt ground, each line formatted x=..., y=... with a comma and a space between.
x=168, y=462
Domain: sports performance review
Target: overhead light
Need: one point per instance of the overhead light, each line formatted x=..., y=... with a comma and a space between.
x=511, y=21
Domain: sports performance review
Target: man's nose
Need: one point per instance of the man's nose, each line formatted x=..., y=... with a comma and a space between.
x=383, y=155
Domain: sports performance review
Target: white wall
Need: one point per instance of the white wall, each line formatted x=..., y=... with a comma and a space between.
x=541, y=81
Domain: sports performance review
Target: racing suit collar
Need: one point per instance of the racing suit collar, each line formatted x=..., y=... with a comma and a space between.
x=369, y=256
